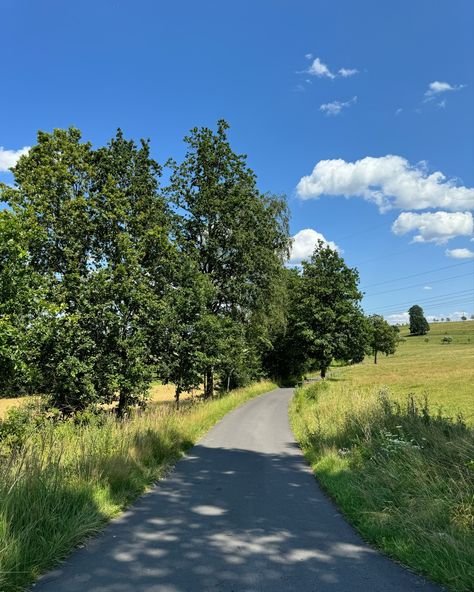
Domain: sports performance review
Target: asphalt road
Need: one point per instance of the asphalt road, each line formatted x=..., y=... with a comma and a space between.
x=241, y=513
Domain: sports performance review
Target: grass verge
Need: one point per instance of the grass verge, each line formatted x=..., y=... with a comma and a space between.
x=68, y=478
x=402, y=476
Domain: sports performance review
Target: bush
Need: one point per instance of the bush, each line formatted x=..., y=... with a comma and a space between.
x=447, y=339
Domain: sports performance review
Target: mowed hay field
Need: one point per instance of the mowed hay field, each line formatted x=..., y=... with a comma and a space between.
x=159, y=393
x=399, y=466
x=423, y=365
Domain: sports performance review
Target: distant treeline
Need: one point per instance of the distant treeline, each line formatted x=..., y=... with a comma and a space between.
x=109, y=280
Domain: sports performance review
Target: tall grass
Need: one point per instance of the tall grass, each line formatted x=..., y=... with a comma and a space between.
x=60, y=483
x=402, y=474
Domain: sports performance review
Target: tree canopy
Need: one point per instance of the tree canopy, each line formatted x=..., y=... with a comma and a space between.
x=418, y=324
x=109, y=280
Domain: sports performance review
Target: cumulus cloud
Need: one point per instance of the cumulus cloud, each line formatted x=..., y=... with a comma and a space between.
x=304, y=243
x=436, y=88
x=346, y=72
x=434, y=227
x=8, y=158
x=399, y=318
x=388, y=181
x=336, y=107
x=460, y=253
x=321, y=70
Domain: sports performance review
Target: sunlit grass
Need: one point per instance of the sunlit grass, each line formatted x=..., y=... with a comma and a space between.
x=404, y=477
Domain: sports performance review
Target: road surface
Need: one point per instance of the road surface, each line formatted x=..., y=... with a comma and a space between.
x=241, y=512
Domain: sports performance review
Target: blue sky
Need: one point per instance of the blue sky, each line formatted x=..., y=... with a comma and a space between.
x=282, y=74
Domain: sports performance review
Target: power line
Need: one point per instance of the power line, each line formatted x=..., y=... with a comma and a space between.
x=466, y=300
x=432, y=300
x=453, y=277
x=418, y=274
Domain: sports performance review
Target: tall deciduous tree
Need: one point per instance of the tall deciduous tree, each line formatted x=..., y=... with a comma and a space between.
x=52, y=199
x=327, y=305
x=99, y=239
x=418, y=324
x=237, y=236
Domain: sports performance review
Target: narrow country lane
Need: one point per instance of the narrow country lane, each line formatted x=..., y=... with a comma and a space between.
x=242, y=512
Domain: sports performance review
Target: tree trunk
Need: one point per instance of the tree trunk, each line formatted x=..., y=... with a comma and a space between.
x=176, y=396
x=323, y=372
x=228, y=382
x=209, y=386
x=123, y=402
x=375, y=356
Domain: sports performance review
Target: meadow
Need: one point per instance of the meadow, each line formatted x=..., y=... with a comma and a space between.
x=61, y=481
x=393, y=445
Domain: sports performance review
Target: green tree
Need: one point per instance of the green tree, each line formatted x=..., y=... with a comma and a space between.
x=237, y=236
x=327, y=305
x=355, y=338
x=99, y=240
x=133, y=264
x=185, y=325
x=52, y=199
x=418, y=324
x=22, y=308
x=383, y=337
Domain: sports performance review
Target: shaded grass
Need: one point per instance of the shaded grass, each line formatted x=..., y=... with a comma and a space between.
x=402, y=475
x=67, y=480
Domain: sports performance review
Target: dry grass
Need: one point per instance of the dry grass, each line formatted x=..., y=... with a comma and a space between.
x=6, y=404
x=159, y=393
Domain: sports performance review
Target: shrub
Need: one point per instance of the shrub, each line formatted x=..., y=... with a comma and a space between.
x=447, y=339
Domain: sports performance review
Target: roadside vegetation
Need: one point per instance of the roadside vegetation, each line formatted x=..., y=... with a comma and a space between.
x=393, y=445
x=60, y=481
x=122, y=299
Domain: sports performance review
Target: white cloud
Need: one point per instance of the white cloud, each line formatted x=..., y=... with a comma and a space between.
x=442, y=104
x=398, y=111
x=319, y=69
x=304, y=243
x=434, y=227
x=336, y=107
x=8, y=158
x=437, y=87
x=388, y=181
x=346, y=72
x=460, y=253
x=400, y=318
x=427, y=288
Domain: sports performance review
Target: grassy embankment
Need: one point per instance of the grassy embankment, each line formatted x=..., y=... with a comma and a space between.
x=66, y=480
x=400, y=470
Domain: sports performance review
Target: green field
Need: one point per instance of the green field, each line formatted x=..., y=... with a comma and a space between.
x=423, y=366
x=399, y=465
